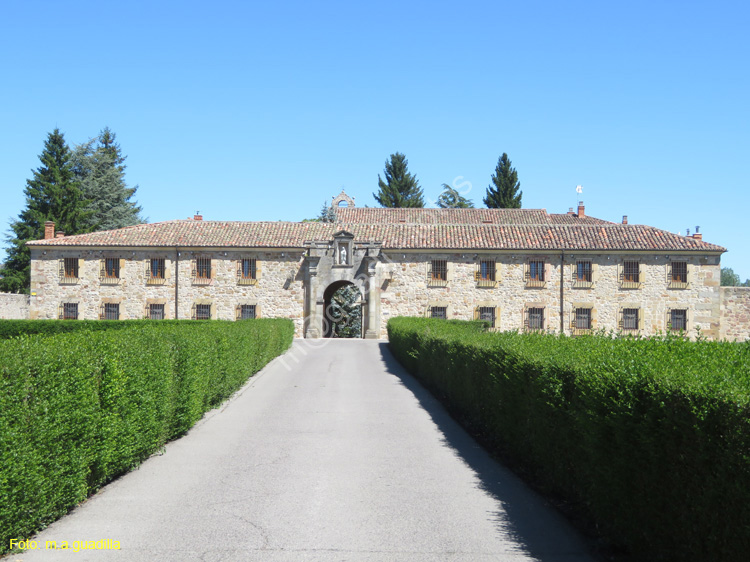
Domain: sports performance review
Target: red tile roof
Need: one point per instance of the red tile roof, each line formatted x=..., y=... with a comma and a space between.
x=429, y=229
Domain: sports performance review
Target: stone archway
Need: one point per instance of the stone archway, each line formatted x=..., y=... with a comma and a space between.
x=342, y=311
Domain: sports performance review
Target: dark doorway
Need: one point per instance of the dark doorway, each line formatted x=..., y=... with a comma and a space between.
x=342, y=313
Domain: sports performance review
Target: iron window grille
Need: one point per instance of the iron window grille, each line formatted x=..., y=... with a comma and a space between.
x=439, y=312
x=486, y=276
x=246, y=312
x=630, y=277
x=534, y=318
x=583, y=274
x=678, y=277
x=535, y=273
x=68, y=311
x=156, y=311
x=110, y=311
x=630, y=319
x=69, y=270
x=438, y=274
x=109, y=272
x=677, y=320
x=202, y=271
x=202, y=312
x=582, y=321
x=156, y=271
x=247, y=271
x=487, y=313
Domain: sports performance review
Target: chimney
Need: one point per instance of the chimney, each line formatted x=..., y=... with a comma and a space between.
x=60, y=234
x=570, y=211
x=624, y=219
x=49, y=230
x=581, y=211
x=698, y=236
x=197, y=216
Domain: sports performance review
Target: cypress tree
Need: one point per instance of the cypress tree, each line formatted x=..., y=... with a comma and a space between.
x=504, y=192
x=400, y=188
x=99, y=167
x=52, y=194
x=451, y=199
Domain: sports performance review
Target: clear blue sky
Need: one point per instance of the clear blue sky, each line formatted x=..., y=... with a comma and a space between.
x=263, y=111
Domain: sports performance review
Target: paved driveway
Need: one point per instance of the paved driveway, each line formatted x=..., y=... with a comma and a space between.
x=331, y=453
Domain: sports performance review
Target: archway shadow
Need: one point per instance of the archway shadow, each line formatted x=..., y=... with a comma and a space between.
x=523, y=515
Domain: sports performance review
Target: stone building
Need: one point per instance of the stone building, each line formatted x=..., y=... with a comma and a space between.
x=522, y=269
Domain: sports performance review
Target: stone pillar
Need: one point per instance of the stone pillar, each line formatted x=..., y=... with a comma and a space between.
x=373, y=296
x=314, y=319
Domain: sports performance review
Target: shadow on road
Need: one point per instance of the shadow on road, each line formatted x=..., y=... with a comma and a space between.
x=525, y=517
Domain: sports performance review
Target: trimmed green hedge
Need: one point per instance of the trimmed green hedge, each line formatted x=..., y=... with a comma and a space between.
x=13, y=328
x=652, y=436
x=78, y=409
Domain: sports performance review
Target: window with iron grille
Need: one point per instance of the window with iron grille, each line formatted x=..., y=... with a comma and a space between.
x=536, y=270
x=439, y=270
x=679, y=274
x=535, y=318
x=247, y=271
x=111, y=311
x=156, y=311
x=111, y=268
x=584, y=272
x=202, y=269
x=630, y=317
x=156, y=270
x=631, y=272
x=582, y=319
x=202, y=312
x=246, y=312
x=439, y=312
x=486, y=273
x=69, y=270
x=69, y=311
x=678, y=319
x=487, y=313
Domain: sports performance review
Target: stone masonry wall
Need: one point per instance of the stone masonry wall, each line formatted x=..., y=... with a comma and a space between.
x=735, y=313
x=14, y=307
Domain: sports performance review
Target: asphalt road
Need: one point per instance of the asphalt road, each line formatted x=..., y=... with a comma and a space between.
x=331, y=453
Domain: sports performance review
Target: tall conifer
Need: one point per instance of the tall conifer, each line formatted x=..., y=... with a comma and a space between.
x=504, y=192
x=400, y=188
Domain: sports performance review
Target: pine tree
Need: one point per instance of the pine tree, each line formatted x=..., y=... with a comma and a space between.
x=504, y=192
x=99, y=167
x=452, y=199
x=52, y=194
x=400, y=188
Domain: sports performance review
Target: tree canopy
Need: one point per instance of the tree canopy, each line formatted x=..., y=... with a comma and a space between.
x=400, y=188
x=503, y=192
x=52, y=194
x=730, y=279
x=450, y=198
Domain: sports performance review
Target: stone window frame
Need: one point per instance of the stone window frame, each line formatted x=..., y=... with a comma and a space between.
x=162, y=302
x=439, y=304
x=106, y=310
x=157, y=279
x=527, y=308
x=490, y=277
x=491, y=305
x=443, y=267
x=110, y=270
x=577, y=282
x=70, y=265
x=671, y=283
x=238, y=309
x=688, y=319
x=254, y=270
x=199, y=306
x=64, y=308
x=535, y=276
x=200, y=264
x=593, y=318
x=627, y=279
x=621, y=318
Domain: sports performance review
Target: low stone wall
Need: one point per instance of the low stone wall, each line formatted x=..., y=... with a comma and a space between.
x=14, y=307
x=735, y=313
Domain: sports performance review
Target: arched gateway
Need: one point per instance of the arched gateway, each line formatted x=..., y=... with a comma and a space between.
x=332, y=264
x=342, y=313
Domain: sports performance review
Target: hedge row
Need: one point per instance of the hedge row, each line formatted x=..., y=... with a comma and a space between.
x=651, y=436
x=13, y=328
x=78, y=409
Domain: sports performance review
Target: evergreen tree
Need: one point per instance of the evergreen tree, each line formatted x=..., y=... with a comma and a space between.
x=400, y=188
x=504, y=192
x=53, y=194
x=99, y=167
x=327, y=214
x=452, y=199
x=345, y=313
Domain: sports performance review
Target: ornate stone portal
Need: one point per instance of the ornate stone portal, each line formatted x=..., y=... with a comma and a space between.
x=337, y=262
